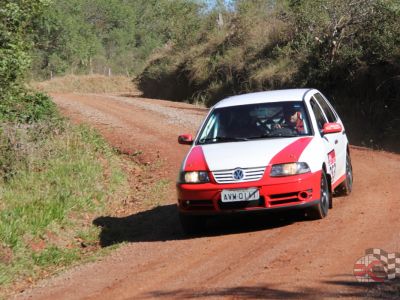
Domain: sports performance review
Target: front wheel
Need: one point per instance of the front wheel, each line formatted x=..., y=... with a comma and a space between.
x=320, y=211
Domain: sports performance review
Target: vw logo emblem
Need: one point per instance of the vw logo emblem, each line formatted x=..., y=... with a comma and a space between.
x=238, y=174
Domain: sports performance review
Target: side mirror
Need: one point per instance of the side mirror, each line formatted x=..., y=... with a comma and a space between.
x=332, y=128
x=185, y=139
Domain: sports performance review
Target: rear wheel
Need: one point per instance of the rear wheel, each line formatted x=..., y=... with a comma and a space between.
x=192, y=224
x=346, y=187
x=320, y=211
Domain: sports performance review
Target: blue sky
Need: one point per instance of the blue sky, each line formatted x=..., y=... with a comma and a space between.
x=211, y=3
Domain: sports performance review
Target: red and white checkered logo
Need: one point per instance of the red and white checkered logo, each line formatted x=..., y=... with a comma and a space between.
x=377, y=266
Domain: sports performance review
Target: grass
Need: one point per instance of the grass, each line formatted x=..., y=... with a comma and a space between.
x=55, y=179
x=61, y=178
x=154, y=195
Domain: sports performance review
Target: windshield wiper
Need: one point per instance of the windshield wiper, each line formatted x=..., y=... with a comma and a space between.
x=271, y=135
x=222, y=139
x=280, y=134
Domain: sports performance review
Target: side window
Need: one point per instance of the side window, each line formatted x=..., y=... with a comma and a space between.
x=319, y=116
x=326, y=108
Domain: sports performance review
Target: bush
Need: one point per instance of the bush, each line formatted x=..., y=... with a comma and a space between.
x=16, y=19
x=27, y=107
x=19, y=143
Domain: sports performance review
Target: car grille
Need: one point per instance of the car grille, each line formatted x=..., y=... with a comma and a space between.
x=279, y=199
x=250, y=174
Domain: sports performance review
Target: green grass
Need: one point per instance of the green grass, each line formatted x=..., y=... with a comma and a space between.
x=61, y=178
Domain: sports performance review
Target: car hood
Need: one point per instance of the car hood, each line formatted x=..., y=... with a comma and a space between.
x=250, y=154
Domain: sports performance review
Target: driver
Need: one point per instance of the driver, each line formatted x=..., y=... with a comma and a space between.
x=292, y=119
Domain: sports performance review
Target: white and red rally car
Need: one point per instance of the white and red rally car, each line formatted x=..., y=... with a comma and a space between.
x=266, y=150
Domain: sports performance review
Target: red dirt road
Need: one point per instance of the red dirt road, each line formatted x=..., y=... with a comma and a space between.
x=243, y=257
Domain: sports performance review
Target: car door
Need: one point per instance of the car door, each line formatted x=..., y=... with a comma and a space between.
x=338, y=140
x=329, y=141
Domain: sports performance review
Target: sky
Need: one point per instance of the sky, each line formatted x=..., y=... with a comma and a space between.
x=212, y=3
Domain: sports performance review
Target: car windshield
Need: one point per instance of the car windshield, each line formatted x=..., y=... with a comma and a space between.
x=255, y=121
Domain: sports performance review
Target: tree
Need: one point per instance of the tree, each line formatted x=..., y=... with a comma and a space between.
x=16, y=18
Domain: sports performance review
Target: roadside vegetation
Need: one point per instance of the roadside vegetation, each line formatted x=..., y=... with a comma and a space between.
x=55, y=178
x=200, y=51
x=348, y=49
x=108, y=37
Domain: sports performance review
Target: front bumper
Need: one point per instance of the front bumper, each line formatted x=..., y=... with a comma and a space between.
x=297, y=191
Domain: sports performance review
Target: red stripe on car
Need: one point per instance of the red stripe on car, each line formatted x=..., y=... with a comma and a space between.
x=292, y=152
x=196, y=160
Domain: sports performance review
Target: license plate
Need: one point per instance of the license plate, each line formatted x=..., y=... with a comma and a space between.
x=240, y=195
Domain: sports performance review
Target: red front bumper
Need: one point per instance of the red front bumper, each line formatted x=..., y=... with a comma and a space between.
x=281, y=192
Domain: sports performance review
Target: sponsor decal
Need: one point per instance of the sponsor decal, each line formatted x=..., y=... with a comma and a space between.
x=377, y=265
x=332, y=162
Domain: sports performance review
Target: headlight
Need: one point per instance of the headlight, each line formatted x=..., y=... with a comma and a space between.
x=289, y=169
x=194, y=177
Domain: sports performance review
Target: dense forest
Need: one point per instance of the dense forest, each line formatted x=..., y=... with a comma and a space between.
x=109, y=36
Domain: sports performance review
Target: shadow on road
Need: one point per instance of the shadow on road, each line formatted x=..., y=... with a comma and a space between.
x=345, y=289
x=241, y=292
x=162, y=224
x=371, y=290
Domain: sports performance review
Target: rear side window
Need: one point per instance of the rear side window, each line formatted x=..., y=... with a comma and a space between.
x=326, y=108
x=319, y=116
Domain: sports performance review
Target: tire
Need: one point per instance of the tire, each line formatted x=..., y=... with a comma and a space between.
x=192, y=224
x=320, y=210
x=346, y=187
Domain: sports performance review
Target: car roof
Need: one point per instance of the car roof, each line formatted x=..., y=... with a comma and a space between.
x=262, y=97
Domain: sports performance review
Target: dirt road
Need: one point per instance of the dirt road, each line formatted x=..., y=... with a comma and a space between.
x=269, y=257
